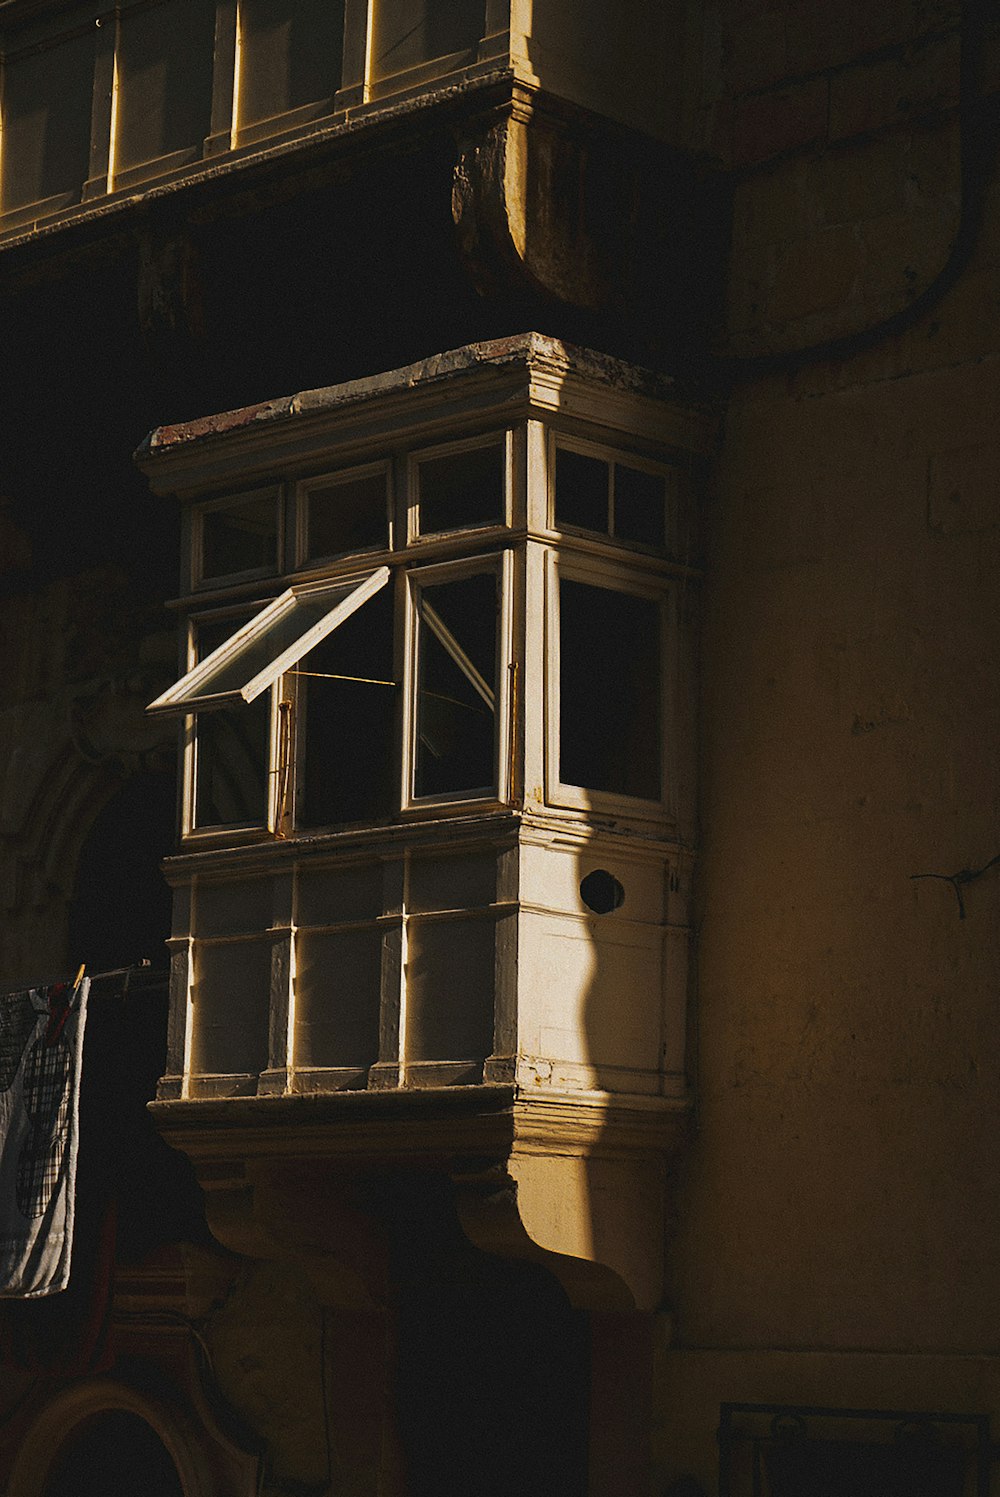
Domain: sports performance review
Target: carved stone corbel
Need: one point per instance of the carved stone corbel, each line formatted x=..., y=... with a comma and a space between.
x=585, y=1194
x=511, y=233
x=555, y=203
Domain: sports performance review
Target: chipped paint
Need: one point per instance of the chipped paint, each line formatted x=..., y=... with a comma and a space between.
x=532, y=350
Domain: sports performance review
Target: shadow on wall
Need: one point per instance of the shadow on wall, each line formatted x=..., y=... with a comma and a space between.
x=492, y=1363
x=120, y=912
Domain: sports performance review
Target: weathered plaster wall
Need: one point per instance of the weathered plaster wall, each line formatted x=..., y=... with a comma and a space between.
x=625, y=61
x=837, y=1221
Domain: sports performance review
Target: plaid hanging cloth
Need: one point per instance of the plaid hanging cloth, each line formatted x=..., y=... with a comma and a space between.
x=41, y=1047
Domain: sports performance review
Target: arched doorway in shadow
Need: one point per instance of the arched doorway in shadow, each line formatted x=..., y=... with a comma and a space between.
x=492, y=1362
x=102, y=1435
x=114, y=1451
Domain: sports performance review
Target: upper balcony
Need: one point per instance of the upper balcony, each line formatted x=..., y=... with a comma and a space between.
x=103, y=103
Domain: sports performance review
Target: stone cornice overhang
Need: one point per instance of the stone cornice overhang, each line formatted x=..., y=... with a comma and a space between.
x=300, y=1176
x=254, y=176
x=426, y=1126
x=312, y=158
x=506, y=377
x=432, y=1126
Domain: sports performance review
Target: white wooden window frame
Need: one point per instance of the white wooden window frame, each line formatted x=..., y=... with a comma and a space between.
x=611, y=455
x=222, y=831
x=620, y=578
x=415, y=535
x=303, y=498
x=278, y=678
x=214, y=580
x=500, y=563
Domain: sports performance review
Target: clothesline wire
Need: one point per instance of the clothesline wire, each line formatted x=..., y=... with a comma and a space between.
x=142, y=966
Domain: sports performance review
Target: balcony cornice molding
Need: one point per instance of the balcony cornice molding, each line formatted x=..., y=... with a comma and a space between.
x=505, y=378
x=350, y=1129
x=574, y=1182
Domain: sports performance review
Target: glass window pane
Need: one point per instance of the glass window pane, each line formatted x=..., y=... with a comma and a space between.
x=47, y=99
x=165, y=80
x=350, y=514
x=640, y=506
x=609, y=690
x=406, y=33
x=301, y=614
x=456, y=686
x=291, y=53
x=231, y=751
x=243, y=537
x=462, y=489
x=347, y=711
x=582, y=490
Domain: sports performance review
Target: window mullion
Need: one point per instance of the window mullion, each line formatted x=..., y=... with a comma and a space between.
x=407, y=616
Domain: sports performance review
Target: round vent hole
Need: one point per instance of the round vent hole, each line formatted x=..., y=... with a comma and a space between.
x=601, y=892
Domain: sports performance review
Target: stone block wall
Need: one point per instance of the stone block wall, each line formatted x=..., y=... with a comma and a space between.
x=837, y=1218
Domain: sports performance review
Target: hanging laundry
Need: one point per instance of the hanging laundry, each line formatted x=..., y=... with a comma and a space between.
x=41, y=1046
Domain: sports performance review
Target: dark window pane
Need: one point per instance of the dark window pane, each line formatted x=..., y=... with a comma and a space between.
x=349, y=721
x=465, y=488
x=456, y=683
x=46, y=123
x=582, y=489
x=913, y=1464
x=165, y=80
x=409, y=32
x=231, y=751
x=609, y=690
x=241, y=538
x=640, y=512
x=291, y=53
x=348, y=516
x=231, y=765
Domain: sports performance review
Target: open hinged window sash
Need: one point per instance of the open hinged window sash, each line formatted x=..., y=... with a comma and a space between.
x=269, y=644
x=447, y=640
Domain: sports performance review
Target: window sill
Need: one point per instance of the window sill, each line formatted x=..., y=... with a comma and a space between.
x=208, y=853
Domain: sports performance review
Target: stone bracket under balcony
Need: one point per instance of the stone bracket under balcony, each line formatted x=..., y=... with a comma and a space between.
x=578, y=1185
